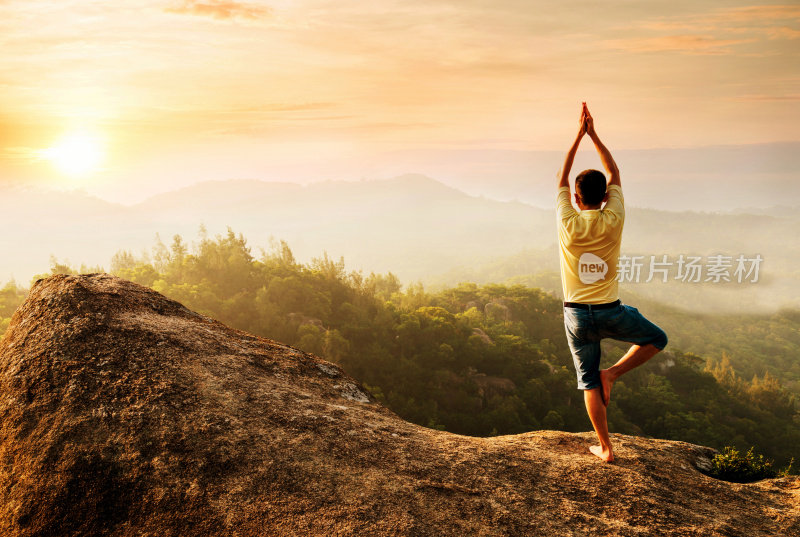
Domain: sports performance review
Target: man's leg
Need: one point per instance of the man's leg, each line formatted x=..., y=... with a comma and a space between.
x=627, y=324
x=636, y=356
x=597, y=413
x=585, y=347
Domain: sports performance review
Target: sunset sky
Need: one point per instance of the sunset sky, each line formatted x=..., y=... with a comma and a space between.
x=124, y=99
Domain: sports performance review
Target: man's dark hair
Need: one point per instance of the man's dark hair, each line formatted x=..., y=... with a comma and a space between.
x=591, y=186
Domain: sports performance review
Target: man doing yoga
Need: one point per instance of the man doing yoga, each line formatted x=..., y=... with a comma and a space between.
x=589, y=243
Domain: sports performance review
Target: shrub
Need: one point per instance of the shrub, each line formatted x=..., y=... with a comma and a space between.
x=731, y=465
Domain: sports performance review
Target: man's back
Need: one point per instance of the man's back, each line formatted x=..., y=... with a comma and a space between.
x=589, y=246
x=589, y=242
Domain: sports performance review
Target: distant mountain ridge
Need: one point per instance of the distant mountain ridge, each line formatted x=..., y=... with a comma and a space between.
x=713, y=178
x=412, y=225
x=243, y=194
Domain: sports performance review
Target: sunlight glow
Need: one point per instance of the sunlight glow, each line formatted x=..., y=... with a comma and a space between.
x=77, y=154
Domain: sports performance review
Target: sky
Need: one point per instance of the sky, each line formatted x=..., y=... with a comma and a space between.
x=126, y=99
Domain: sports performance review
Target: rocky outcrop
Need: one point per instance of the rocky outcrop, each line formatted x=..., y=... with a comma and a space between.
x=123, y=413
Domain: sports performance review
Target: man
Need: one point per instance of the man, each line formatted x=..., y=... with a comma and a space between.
x=589, y=242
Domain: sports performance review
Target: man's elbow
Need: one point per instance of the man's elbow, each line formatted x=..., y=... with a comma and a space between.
x=563, y=181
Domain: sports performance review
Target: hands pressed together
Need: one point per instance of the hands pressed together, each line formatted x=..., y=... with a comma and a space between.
x=587, y=127
x=587, y=122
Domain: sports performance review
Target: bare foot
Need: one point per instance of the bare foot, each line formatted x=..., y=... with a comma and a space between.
x=606, y=384
x=604, y=454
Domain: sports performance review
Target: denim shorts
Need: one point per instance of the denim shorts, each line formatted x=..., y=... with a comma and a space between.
x=585, y=329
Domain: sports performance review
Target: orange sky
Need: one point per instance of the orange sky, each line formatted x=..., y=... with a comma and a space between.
x=179, y=91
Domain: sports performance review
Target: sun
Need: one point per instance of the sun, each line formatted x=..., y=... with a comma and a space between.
x=77, y=154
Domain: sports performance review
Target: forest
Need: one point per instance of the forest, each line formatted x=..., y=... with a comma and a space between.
x=479, y=360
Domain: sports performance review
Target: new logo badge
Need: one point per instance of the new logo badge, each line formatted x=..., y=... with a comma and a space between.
x=591, y=268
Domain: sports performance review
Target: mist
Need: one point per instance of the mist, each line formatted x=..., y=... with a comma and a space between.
x=488, y=218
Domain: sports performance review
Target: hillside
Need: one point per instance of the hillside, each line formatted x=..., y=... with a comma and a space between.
x=124, y=413
x=412, y=225
x=710, y=178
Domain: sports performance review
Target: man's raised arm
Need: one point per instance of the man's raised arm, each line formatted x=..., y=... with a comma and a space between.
x=605, y=154
x=564, y=175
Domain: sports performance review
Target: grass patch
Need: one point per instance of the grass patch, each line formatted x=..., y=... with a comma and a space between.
x=731, y=465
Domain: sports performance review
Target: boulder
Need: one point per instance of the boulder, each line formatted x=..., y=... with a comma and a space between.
x=123, y=413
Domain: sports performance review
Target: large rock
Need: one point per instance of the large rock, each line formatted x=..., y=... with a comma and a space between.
x=124, y=413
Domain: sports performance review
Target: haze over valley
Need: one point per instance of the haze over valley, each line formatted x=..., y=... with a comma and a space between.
x=414, y=226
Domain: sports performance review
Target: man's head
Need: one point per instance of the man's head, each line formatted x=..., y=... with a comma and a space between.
x=590, y=189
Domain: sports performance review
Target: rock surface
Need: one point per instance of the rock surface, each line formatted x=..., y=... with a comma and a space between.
x=123, y=413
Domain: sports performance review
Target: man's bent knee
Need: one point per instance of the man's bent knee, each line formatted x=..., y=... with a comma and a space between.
x=661, y=341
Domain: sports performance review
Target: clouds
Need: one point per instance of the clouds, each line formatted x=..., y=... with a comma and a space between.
x=687, y=44
x=166, y=75
x=769, y=13
x=769, y=98
x=720, y=31
x=782, y=32
x=221, y=10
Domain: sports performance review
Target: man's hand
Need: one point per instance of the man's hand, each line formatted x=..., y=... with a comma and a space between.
x=605, y=154
x=588, y=122
x=582, y=122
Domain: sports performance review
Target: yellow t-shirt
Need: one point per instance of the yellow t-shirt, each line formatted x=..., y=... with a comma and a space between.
x=589, y=244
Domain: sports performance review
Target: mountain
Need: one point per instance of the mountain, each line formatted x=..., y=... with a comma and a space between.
x=124, y=413
x=712, y=178
x=411, y=225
